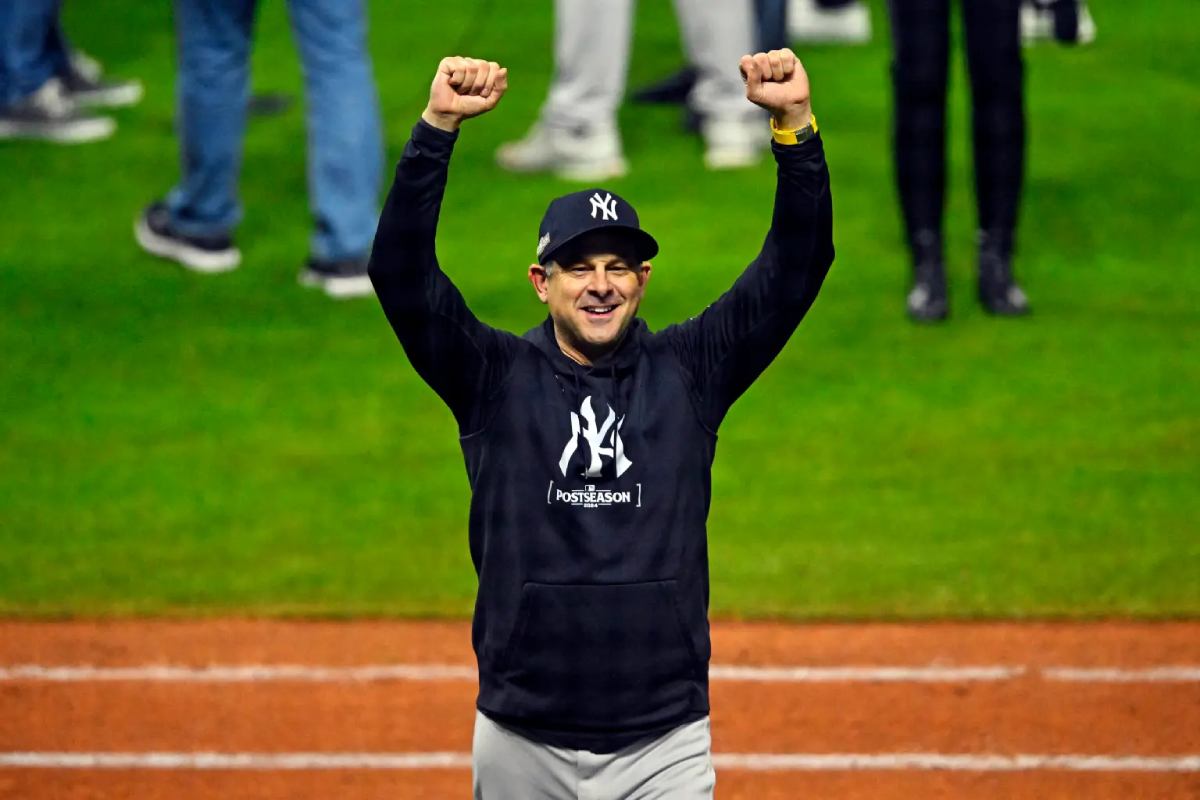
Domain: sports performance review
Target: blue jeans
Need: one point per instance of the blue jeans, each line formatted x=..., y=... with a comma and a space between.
x=345, y=137
x=32, y=47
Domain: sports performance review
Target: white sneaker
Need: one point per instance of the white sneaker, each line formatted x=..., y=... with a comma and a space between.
x=734, y=143
x=84, y=82
x=809, y=22
x=50, y=114
x=590, y=156
x=1037, y=22
x=338, y=279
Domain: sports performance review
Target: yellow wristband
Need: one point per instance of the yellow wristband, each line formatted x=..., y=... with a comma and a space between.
x=795, y=135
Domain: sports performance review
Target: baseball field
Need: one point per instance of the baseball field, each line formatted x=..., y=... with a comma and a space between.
x=947, y=561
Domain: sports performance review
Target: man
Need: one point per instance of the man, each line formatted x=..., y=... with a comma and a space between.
x=194, y=223
x=589, y=443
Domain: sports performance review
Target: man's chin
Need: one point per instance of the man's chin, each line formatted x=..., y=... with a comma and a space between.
x=595, y=332
x=599, y=340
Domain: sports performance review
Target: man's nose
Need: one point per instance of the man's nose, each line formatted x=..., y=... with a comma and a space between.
x=600, y=285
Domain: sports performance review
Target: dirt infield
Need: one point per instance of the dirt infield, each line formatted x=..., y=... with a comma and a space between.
x=367, y=709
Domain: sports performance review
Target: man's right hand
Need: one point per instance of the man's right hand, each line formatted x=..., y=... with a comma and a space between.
x=464, y=88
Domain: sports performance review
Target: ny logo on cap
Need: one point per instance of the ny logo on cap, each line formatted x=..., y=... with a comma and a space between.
x=605, y=205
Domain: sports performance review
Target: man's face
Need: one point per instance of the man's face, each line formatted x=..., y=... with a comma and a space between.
x=593, y=291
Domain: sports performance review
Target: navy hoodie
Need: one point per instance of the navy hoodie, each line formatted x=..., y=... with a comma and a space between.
x=591, y=485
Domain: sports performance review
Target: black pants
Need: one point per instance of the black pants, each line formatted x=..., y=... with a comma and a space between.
x=921, y=41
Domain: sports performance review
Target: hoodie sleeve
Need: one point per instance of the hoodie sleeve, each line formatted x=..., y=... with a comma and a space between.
x=461, y=358
x=728, y=345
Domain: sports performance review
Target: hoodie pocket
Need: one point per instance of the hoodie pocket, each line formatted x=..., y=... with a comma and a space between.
x=601, y=656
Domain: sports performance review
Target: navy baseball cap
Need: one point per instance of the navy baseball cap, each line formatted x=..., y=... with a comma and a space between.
x=572, y=215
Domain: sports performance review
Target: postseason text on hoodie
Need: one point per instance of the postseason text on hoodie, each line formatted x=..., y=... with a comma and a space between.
x=591, y=485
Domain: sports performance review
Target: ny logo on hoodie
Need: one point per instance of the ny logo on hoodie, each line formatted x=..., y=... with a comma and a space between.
x=602, y=440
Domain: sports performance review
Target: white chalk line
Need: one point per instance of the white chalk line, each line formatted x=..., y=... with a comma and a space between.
x=753, y=762
x=1178, y=674
x=298, y=673
x=250, y=673
x=883, y=674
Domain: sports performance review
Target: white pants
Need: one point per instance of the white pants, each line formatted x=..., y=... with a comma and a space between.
x=591, y=58
x=675, y=766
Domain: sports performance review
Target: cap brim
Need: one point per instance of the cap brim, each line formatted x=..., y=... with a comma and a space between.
x=644, y=244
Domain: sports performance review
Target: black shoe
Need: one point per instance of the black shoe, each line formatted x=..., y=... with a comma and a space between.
x=673, y=89
x=998, y=291
x=926, y=300
x=213, y=253
x=50, y=114
x=338, y=279
x=84, y=82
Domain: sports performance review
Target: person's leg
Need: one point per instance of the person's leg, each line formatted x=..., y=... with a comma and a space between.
x=998, y=125
x=193, y=225
x=507, y=766
x=576, y=134
x=920, y=63
x=715, y=37
x=212, y=86
x=58, y=50
x=998, y=109
x=591, y=62
x=345, y=133
x=770, y=29
x=675, y=766
x=34, y=104
x=25, y=62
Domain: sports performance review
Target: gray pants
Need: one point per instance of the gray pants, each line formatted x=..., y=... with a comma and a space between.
x=675, y=766
x=591, y=58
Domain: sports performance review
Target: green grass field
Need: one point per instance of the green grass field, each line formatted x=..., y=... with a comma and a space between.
x=181, y=444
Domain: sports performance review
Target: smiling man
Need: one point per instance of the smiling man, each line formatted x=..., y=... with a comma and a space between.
x=589, y=444
x=593, y=265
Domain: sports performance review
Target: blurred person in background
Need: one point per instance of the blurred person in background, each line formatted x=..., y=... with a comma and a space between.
x=576, y=135
x=921, y=40
x=193, y=225
x=778, y=21
x=46, y=86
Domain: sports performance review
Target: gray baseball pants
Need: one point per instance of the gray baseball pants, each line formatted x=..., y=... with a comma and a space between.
x=675, y=766
x=591, y=58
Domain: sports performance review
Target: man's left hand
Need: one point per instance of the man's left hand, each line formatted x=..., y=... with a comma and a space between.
x=776, y=81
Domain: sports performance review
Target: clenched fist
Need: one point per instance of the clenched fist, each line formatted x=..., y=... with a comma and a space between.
x=464, y=88
x=776, y=80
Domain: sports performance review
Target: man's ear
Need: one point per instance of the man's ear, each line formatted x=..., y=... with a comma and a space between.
x=644, y=272
x=538, y=277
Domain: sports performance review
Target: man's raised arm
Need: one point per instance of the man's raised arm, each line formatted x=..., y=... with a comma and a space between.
x=452, y=351
x=731, y=342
